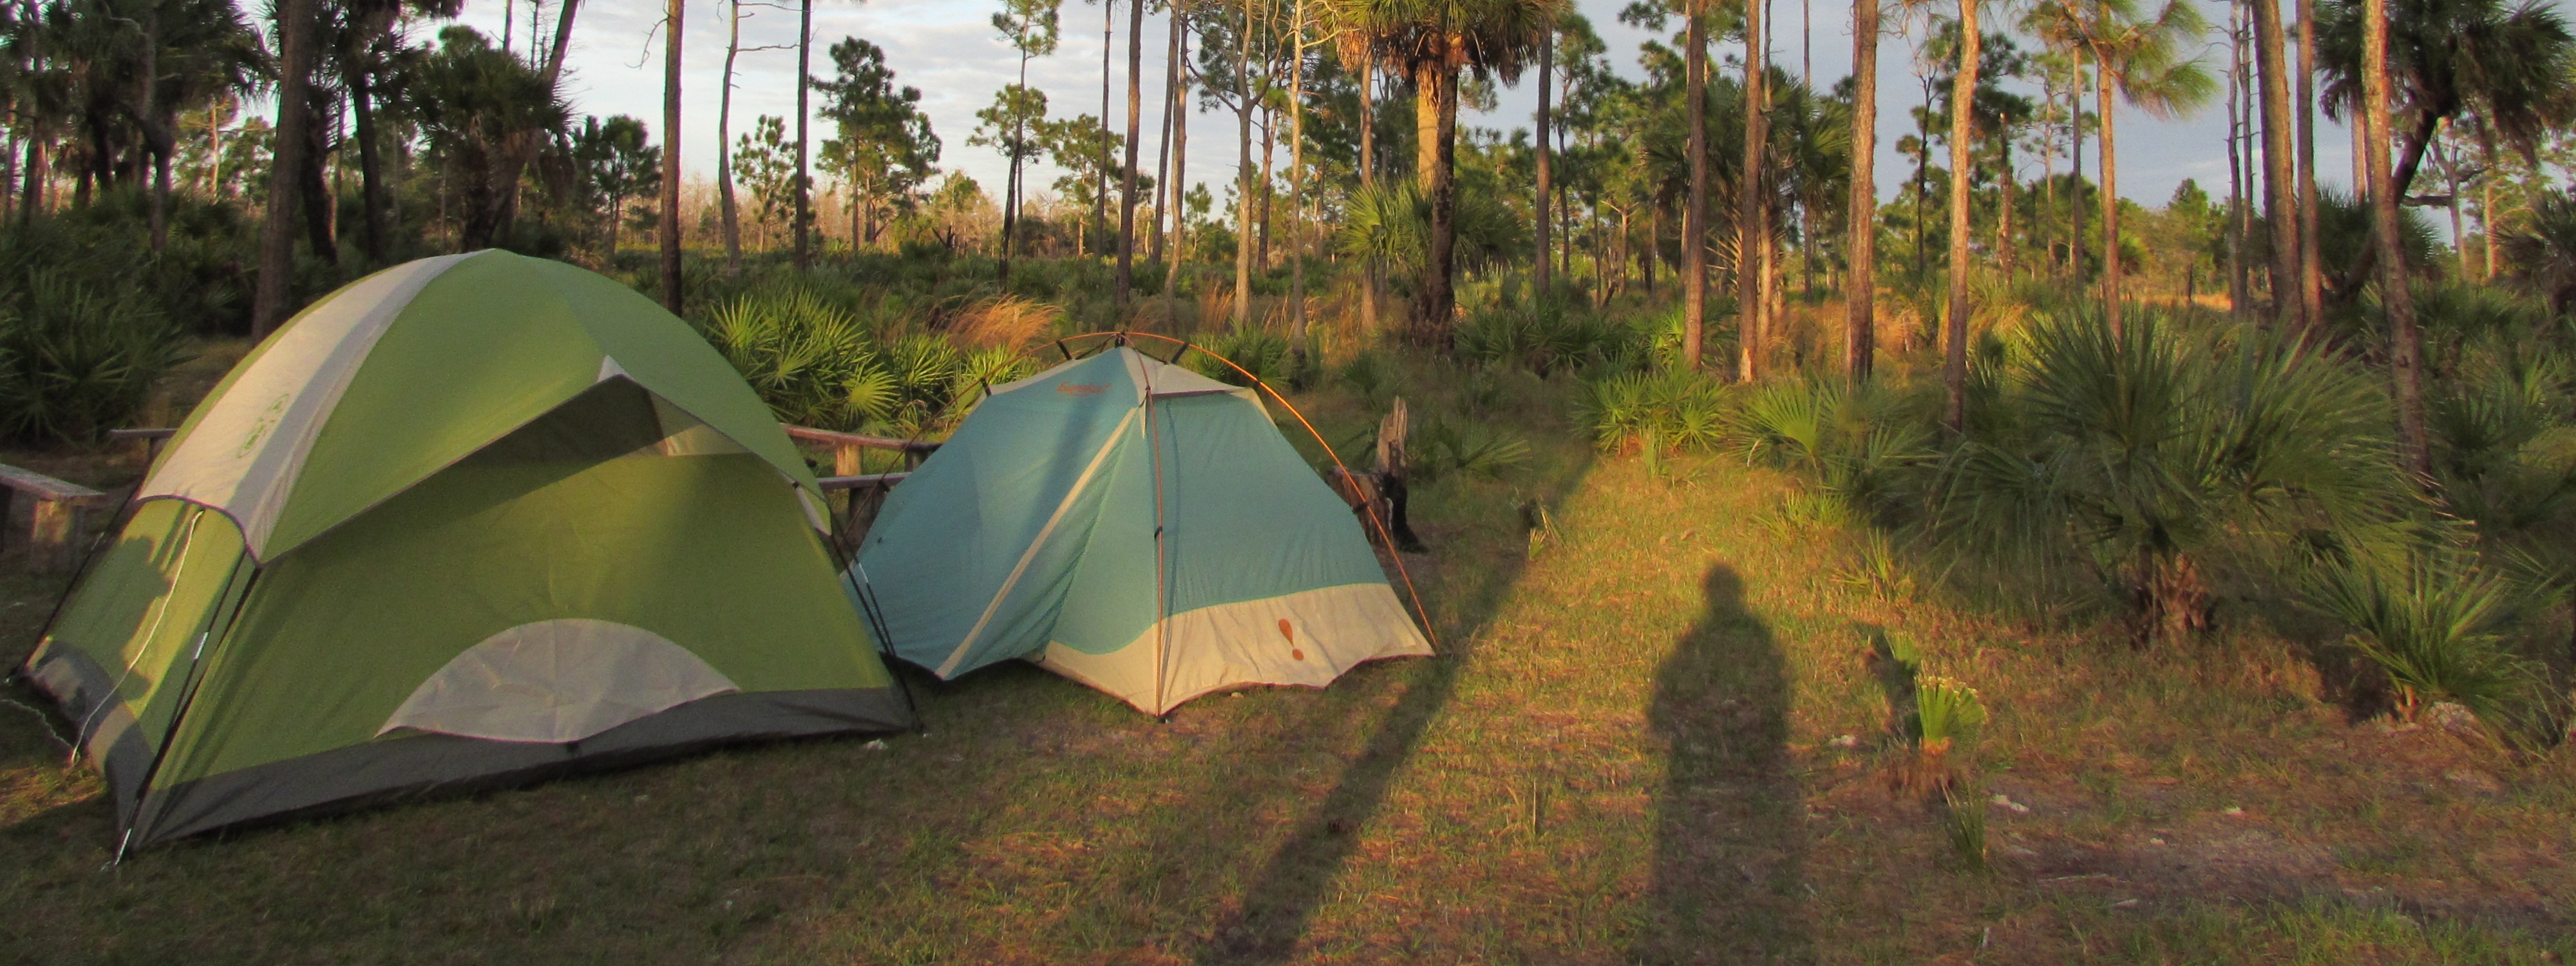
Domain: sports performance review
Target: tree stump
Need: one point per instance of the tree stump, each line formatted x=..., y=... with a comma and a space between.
x=1392, y=434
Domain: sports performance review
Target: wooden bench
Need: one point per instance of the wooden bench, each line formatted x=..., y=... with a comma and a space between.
x=846, y=447
x=61, y=513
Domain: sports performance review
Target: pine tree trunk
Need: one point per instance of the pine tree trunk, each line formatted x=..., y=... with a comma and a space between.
x=725, y=205
x=1963, y=94
x=672, y=22
x=371, y=189
x=1436, y=301
x=2311, y=264
x=2075, y=173
x=1539, y=196
x=1369, y=267
x=1695, y=211
x=2405, y=348
x=2279, y=205
x=804, y=79
x=1269, y=152
x=1243, y=201
x=1180, y=169
x=2110, y=201
x=1100, y=172
x=1297, y=184
x=270, y=301
x=1135, y=143
x=1751, y=220
x=2239, y=301
x=1164, y=194
x=1860, y=287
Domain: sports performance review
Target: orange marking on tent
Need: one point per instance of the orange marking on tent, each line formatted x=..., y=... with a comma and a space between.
x=1291, y=634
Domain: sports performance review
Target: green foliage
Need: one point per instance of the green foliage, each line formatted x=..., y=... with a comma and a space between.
x=764, y=161
x=2136, y=458
x=817, y=365
x=809, y=359
x=1374, y=376
x=1441, y=448
x=886, y=148
x=76, y=358
x=1861, y=445
x=1544, y=336
x=616, y=164
x=1267, y=356
x=1392, y=222
x=2431, y=623
x=1676, y=410
x=1946, y=710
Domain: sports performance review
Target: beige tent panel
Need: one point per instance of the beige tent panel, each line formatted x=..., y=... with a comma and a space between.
x=556, y=681
x=1306, y=638
x=246, y=449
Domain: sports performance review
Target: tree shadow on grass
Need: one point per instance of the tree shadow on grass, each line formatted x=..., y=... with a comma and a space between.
x=1275, y=910
x=1729, y=839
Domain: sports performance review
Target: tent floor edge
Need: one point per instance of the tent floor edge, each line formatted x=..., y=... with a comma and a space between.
x=406, y=767
x=103, y=727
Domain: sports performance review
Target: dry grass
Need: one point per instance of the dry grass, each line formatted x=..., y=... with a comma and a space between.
x=1626, y=754
x=1004, y=321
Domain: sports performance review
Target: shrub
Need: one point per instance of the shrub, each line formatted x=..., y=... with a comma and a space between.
x=1861, y=445
x=1441, y=448
x=809, y=359
x=2431, y=624
x=1543, y=336
x=2139, y=458
x=1267, y=356
x=77, y=360
x=817, y=365
x=1674, y=410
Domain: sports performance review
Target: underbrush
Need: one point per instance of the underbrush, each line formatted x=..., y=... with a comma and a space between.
x=2187, y=471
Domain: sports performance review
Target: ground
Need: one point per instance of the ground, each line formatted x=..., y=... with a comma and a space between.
x=1651, y=735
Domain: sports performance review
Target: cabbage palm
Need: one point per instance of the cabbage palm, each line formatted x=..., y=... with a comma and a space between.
x=2145, y=457
x=1431, y=41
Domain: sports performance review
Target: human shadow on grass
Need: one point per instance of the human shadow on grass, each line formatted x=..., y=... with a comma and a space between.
x=1730, y=848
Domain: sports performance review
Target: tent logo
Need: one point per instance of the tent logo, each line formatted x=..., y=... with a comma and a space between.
x=1294, y=652
x=267, y=420
x=1081, y=388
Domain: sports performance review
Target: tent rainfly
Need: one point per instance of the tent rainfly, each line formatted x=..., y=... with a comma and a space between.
x=467, y=520
x=1136, y=527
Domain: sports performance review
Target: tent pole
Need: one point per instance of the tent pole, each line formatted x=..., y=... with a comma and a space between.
x=876, y=622
x=1162, y=565
x=187, y=697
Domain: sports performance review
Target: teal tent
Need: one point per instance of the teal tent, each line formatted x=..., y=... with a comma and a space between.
x=1134, y=526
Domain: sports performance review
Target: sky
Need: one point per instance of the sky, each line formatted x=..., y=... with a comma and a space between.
x=949, y=49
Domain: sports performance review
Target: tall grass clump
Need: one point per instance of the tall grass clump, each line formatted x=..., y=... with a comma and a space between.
x=77, y=358
x=2132, y=464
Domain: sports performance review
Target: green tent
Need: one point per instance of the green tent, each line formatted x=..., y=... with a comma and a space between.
x=1134, y=526
x=467, y=520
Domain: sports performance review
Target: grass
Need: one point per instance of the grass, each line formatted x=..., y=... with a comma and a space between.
x=1625, y=754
